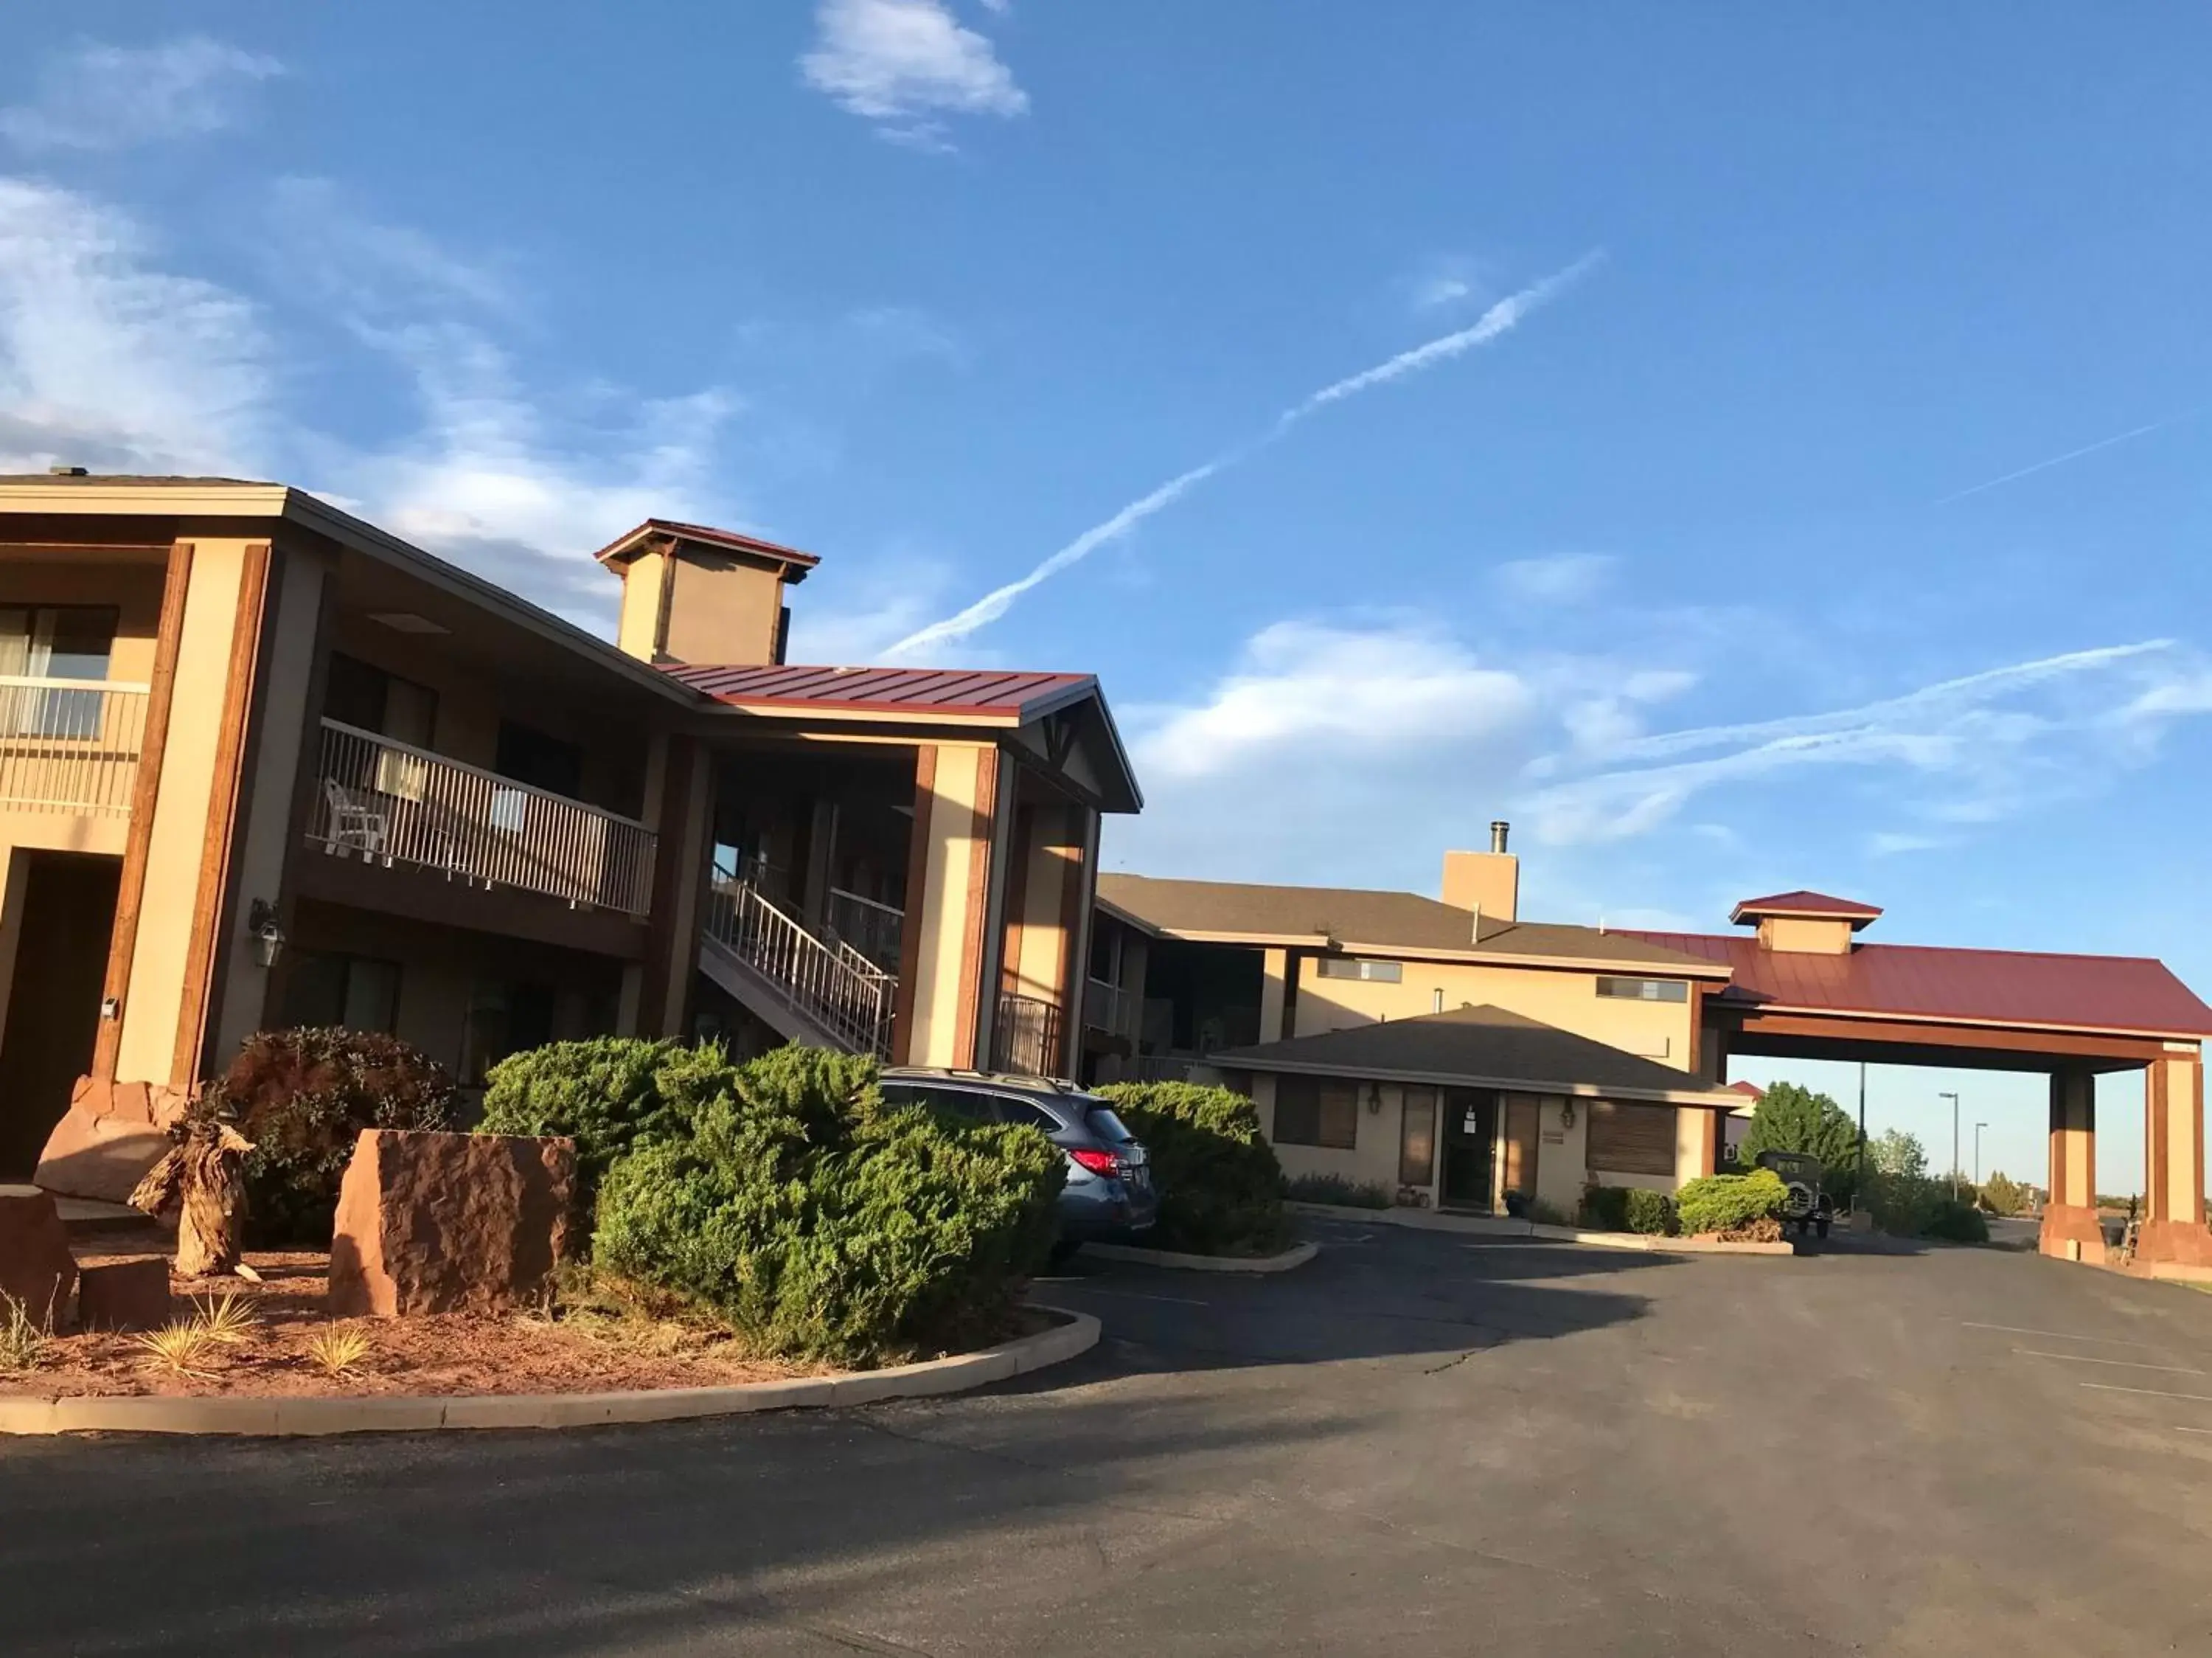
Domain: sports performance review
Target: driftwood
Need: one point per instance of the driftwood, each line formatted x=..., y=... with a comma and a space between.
x=205, y=1175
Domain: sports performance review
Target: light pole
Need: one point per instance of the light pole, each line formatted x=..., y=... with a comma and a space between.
x=1978, y=1127
x=1954, y=1099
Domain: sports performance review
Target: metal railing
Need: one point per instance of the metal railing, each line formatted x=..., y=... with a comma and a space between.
x=70, y=745
x=872, y=927
x=1109, y=1008
x=1025, y=1042
x=1158, y=1068
x=393, y=803
x=829, y=982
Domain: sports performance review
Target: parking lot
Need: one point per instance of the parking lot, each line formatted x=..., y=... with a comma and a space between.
x=1421, y=1443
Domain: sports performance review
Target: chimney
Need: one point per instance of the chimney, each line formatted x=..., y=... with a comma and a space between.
x=696, y=595
x=1485, y=883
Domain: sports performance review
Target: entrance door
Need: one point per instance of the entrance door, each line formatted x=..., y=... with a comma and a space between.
x=1470, y=1127
x=53, y=1007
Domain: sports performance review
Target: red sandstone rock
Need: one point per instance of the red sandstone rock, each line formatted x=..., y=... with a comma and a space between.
x=431, y=1223
x=131, y=1295
x=111, y=1135
x=36, y=1267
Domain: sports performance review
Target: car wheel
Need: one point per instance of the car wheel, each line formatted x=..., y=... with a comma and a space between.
x=1822, y=1223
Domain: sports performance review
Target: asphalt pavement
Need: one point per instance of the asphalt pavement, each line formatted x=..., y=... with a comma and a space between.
x=1421, y=1443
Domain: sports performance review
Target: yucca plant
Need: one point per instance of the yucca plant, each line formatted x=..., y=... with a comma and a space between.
x=22, y=1338
x=183, y=1347
x=230, y=1322
x=339, y=1351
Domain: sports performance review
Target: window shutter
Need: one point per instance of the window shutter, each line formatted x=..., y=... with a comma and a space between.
x=1632, y=1139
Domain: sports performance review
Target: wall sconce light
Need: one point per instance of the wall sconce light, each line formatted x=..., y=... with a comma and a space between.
x=268, y=938
x=1374, y=1098
x=1567, y=1113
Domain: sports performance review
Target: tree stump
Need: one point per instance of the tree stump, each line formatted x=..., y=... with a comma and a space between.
x=204, y=1174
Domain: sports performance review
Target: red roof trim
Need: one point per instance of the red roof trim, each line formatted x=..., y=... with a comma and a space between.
x=1802, y=903
x=799, y=562
x=953, y=692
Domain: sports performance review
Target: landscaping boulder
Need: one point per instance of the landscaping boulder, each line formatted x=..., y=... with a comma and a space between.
x=126, y=1294
x=436, y=1222
x=36, y=1267
x=112, y=1134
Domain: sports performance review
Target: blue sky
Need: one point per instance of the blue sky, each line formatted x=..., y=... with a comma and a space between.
x=1695, y=563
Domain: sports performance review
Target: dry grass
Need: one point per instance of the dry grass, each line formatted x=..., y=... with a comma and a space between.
x=23, y=1339
x=183, y=1347
x=230, y=1322
x=340, y=1350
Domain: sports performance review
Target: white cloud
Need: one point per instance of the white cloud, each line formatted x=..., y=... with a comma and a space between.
x=103, y=97
x=906, y=64
x=1566, y=578
x=1305, y=690
x=1890, y=843
x=109, y=362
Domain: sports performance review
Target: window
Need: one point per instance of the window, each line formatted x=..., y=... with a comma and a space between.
x=504, y=1019
x=544, y=762
x=1632, y=1139
x=1347, y=967
x=359, y=992
x=1024, y=1115
x=362, y=695
x=1314, y=1110
x=53, y=642
x=1644, y=989
x=1416, y=1138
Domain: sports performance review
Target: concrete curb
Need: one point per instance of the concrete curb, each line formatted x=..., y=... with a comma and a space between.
x=1428, y=1220
x=277, y=1416
x=1297, y=1255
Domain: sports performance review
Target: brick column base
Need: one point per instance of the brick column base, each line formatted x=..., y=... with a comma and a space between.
x=2176, y=1241
x=2071, y=1233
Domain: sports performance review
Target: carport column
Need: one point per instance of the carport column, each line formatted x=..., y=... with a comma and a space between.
x=2070, y=1219
x=1274, y=994
x=948, y=979
x=2173, y=1143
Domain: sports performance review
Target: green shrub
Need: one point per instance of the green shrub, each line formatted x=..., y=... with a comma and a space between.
x=1955, y=1220
x=1652, y=1213
x=1605, y=1208
x=302, y=1097
x=1221, y=1189
x=2002, y=1195
x=1728, y=1202
x=1544, y=1212
x=1338, y=1189
x=606, y=1094
x=1790, y=1118
x=820, y=1224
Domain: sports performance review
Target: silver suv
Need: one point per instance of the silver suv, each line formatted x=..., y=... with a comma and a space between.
x=1108, y=1196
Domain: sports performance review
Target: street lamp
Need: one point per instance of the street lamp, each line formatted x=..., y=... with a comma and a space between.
x=1954, y=1099
x=1978, y=1127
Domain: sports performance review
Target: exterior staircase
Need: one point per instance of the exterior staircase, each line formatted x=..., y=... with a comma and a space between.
x=805, y=988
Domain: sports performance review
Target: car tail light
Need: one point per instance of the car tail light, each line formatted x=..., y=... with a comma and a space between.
x=1104, y=1164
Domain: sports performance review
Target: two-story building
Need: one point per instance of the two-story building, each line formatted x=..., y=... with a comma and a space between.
x=263, y=764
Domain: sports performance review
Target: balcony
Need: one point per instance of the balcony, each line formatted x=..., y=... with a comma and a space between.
x=1025, y=1042
x=388, y=802
x=70, y=745
x=1111, y=1008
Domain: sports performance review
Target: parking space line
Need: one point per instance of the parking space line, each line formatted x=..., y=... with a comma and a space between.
x=2132, y=1364
x=2152, y=1392
x=2055, y=1335
x=1139, y=1295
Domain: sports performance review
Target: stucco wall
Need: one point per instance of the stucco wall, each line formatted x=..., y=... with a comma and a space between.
x=954, y=859
x=1569, y=999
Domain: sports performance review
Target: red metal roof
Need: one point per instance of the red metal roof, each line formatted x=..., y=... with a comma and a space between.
x=1990, y=987
x=1802, y=903
x=1749, y=1090
x=950, y=692
x=799, y=563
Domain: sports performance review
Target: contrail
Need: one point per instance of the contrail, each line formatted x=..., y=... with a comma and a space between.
x=1499, y=319
x=2061, y=460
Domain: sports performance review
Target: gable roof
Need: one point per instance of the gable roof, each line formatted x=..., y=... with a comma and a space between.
x=966, y=694
x=795, y=564
x=2135, y=995
x=1477, y=1047
x=1802, y=903
x=1326, y=917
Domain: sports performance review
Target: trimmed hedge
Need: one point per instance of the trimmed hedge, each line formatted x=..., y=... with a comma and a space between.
x=820, y=1224
x=1954, y=1222
x=1728, y=1202
x=1650, y=1213
x=606, y=1094
x=302, y=1097
x=1221, y=1189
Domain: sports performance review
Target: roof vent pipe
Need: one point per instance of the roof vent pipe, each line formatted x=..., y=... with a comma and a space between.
x=1499, y=830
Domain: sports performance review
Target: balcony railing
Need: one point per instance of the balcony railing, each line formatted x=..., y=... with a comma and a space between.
x=872, y=928
x=70, y=745
x=1110, y=1008
x=830, y=982
x=1026, y=1039
x=393, y=803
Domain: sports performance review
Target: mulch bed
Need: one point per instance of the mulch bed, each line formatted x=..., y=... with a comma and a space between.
x=443, y=1353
